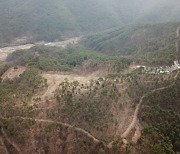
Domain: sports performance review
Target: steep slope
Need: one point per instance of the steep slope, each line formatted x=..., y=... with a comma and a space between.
x=150, y=43
x=41, y=19
x=160, y=118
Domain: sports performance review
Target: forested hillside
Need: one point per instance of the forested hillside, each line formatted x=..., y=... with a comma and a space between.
x=56, y=19
x=89, y=77
x=55, y=59
x=160, y=117
x=149, y=43
x=74, y=100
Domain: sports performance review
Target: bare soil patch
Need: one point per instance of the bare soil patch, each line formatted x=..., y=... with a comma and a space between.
x=63, y=44
x=54, y=79
x=13, y=72
x=4, y=52
x=130, y=69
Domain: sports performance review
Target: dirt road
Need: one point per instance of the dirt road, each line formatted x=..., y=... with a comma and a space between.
x=178, y=32
x=51, y=121
x=135, y=117
x=124, y=135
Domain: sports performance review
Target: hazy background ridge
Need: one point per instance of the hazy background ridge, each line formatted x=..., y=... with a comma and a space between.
x=56, y=19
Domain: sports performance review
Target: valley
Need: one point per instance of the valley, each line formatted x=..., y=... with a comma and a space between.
x=66, y=99
x=5, y=51
x=95, y=77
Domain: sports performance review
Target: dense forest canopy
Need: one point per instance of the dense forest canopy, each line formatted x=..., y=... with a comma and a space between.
x=56, y=19
x=147, y=42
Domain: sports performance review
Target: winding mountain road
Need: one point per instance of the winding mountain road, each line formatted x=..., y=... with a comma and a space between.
x=53, y=121
x=86, y=133
x=178, y=32
x=135, y=117
x=134, y=121
x=89, y=135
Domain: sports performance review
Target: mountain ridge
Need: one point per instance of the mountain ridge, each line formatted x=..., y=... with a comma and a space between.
x=51, y=20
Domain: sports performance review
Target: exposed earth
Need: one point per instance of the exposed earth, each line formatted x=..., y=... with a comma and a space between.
x=54, y=79
x=4, y=52
x=13, y=72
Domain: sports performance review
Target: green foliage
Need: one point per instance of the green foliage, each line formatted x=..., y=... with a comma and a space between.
x=152, y=44
x=3, y=69
x=87, y=104
x=16, y=128
x=57, y=59
x=161, y=114
x=118, y=143
x=50, y=128
x=155, y=142
x=19, y=90
x=29, y=81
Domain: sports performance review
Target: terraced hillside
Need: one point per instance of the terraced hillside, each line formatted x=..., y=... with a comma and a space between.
x=149, y=44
